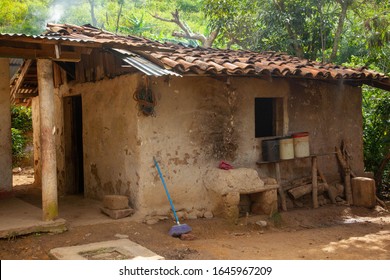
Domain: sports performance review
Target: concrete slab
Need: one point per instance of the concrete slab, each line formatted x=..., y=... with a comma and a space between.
x=19, y=218
x=120, y=249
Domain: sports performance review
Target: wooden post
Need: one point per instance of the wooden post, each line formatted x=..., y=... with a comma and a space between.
x=314, y=181
x=348, y=188
x=280, y=189
x=5, y=128
x=49, y=164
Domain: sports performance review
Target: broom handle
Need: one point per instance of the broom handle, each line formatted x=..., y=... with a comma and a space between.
x=166, y=190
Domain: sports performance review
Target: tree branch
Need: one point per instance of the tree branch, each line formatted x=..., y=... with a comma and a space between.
x=206, y=42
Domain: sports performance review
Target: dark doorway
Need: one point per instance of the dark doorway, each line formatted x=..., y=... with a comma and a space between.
x=73, y=119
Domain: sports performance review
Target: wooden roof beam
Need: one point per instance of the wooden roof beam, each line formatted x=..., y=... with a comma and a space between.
x=21, y=77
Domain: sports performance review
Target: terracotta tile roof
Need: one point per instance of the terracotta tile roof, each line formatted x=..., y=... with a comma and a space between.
x=184, y=60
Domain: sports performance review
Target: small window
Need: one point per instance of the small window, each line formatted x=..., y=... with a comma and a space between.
x=268, y=117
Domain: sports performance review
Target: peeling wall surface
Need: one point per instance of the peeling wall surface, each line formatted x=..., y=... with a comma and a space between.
x=110, y=137
x=198, y=122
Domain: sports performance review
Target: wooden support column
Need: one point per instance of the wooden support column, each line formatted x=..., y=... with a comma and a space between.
x=48, y=149
x=5, y=128
x=280, y=189
x=314, y=181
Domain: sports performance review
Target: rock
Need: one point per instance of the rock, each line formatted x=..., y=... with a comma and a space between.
x=16, y=170
x=180, y=214
x=231, y=213
x=240, y=180
x=199, y=213
x=152, y=221
x=270, y=181
x=232, y=198
x=162, y=218
x=187, y=237
x=208, y=215
x=115, y=202
x=265, y=202
x=262, y=223
x=192, y=215
x=117, y=214
x=121, y=236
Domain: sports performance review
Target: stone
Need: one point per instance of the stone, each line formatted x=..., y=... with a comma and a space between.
x=232, y=198
x=231, y=214
x=117, y=214
x=265, y=202
x=180, y=214
x=121, y=236
x=115, y=202
x=240, y=180
x=192, y=215
x=262, y=223
x=270, y=181
x=363, y=192
x=208, y=215
x=187, y=237
x=152, y=221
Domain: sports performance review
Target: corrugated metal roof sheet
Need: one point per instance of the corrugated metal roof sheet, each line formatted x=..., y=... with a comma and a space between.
x=141, y=63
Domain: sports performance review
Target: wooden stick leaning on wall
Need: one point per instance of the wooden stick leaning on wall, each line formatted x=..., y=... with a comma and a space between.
x=327, y=188
x=347, y=175
x=314, y=182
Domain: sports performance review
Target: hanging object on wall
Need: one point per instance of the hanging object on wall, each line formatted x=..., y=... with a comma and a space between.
x=145, y=99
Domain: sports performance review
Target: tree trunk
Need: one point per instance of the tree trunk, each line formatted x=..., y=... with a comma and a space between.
x=344, y=7
x=119, y=16
x=93, y=17
x=295, y=44
x=381, y=169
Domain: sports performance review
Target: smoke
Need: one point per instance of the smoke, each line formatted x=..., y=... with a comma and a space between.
x=58, y=8
x=56, y=11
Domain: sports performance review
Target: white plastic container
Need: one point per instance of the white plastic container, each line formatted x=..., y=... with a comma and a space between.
x=286, y=148
x=301, y=144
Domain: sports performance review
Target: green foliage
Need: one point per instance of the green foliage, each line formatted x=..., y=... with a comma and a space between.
x=21, y=118
x=19, y=142
x=21, y=122
x=27, y=17
x=376, y=123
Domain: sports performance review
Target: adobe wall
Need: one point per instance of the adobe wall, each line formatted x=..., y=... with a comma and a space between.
x=110, y=143
x=197, y=126
x=199, y=121
x=330, y=113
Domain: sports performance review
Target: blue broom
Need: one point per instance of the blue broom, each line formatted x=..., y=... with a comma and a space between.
x=177, y=229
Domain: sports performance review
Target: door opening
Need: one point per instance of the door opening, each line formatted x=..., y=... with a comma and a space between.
x=74, y=145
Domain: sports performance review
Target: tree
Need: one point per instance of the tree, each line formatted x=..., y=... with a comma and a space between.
x=186, y=33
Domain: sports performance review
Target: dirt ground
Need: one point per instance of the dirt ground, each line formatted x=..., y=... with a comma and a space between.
x=329, y=232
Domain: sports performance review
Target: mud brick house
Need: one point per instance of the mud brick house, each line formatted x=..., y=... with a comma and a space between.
x=104, y=105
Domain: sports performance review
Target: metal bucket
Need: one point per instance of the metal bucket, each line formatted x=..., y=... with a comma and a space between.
x=270, y=149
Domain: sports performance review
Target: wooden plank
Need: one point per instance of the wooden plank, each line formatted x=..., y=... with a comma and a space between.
x=20, y=78
x=314, y=182
x=328, y=190
x=38, y=53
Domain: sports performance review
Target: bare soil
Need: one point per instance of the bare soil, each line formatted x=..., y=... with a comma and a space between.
x=329, y=232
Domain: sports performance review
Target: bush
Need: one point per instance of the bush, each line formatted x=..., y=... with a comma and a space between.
x=21, y=122
x=18, y=144
x=21, y=118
